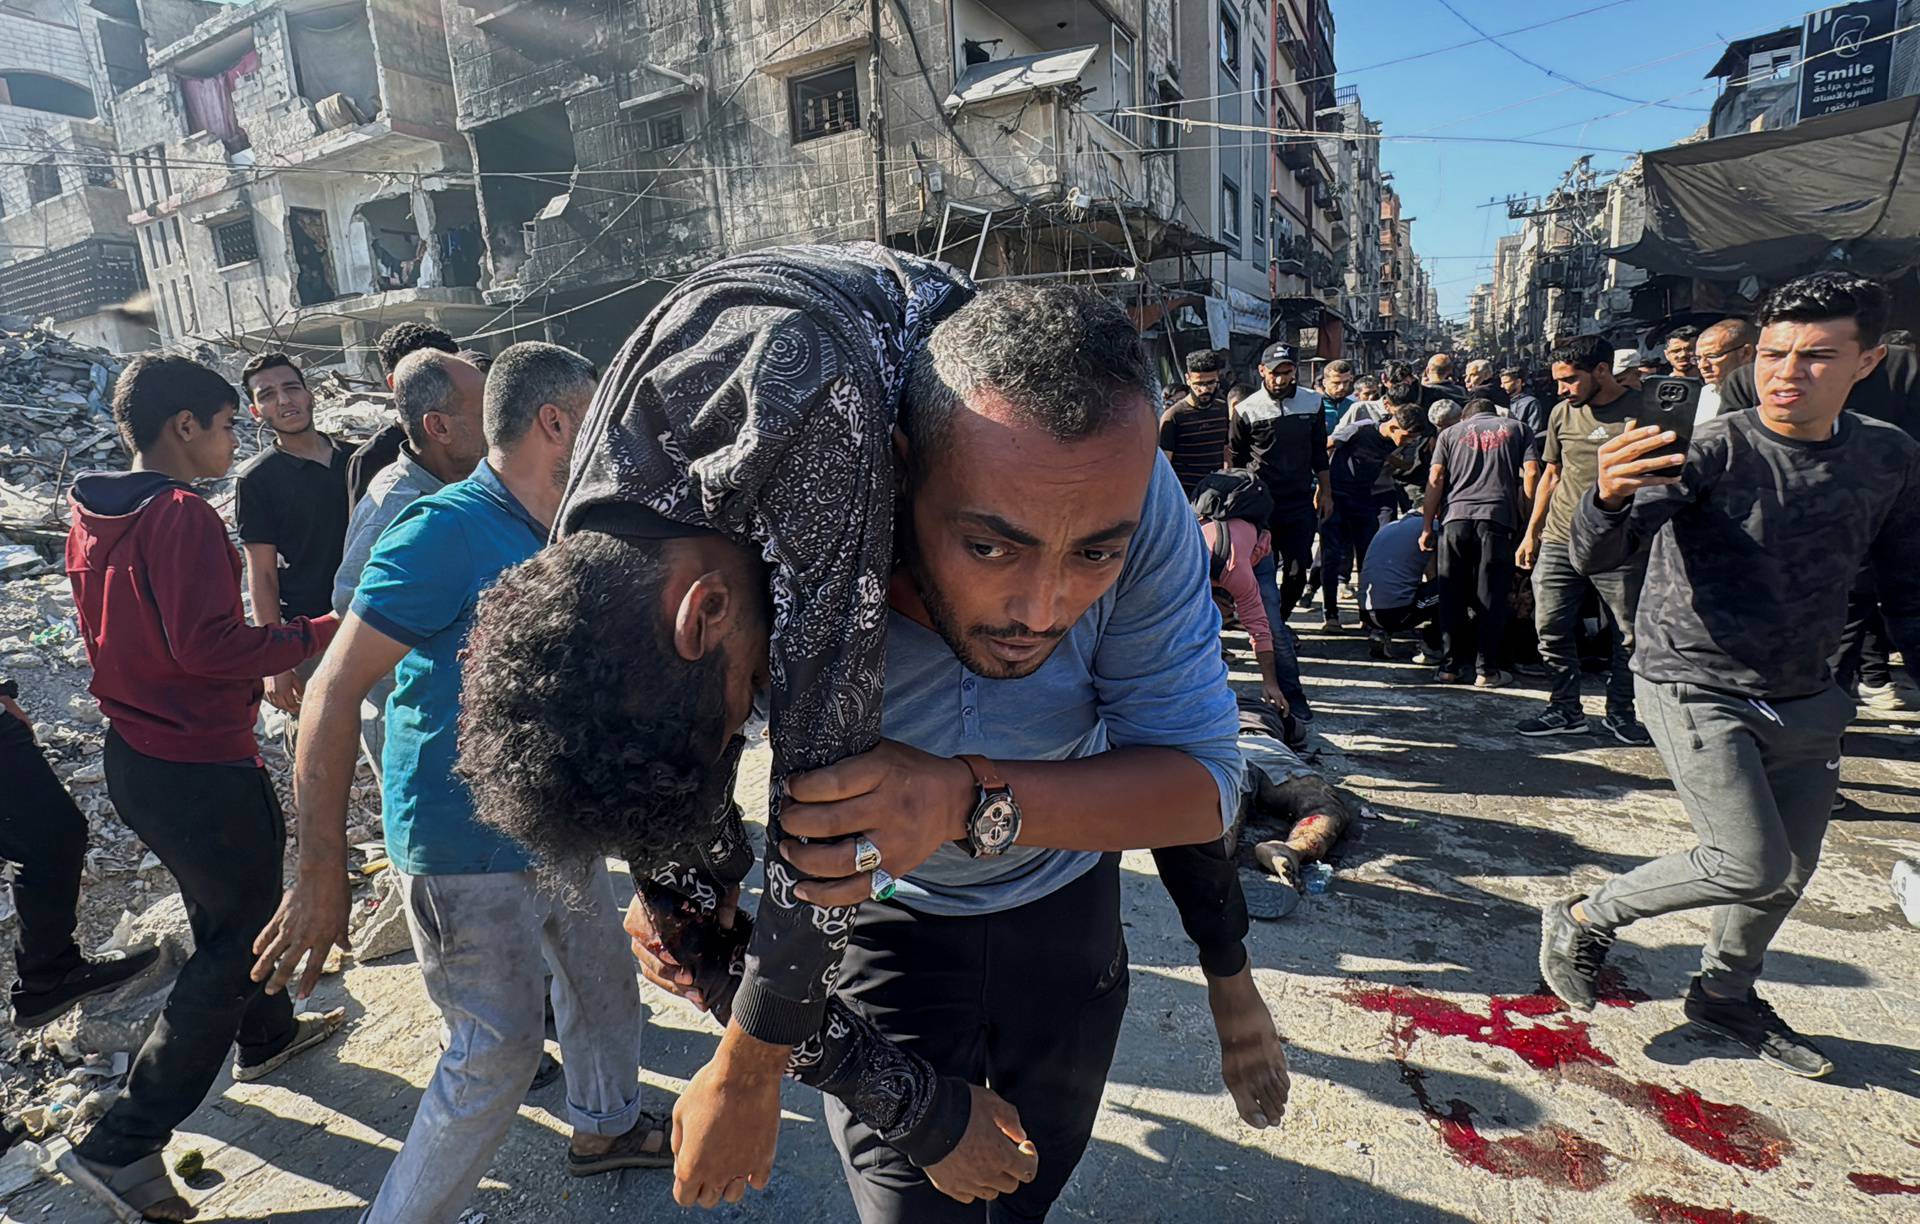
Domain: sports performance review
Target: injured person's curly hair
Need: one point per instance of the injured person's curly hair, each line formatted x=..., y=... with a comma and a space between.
x=599, y=739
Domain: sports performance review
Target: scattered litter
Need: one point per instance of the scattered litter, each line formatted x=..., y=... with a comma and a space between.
x=1318, y=876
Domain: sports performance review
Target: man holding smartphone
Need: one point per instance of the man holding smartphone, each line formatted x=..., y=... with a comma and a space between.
x=1757, y=532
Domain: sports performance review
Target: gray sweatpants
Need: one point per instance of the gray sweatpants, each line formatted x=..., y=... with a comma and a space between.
x=485, y=942
x=1758, y=781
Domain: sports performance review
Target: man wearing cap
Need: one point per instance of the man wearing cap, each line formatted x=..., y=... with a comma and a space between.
x=1628, y=367
x=1280, y=434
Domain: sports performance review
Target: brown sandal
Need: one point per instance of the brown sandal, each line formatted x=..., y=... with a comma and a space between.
x=637, y=1149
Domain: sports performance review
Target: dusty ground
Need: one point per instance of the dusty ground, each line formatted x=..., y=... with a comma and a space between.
x=1424, y=1089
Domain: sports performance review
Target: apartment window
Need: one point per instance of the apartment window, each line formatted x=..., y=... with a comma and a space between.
x=825, y=103
x=99, y=170
x=1259, y=91
x=179, y=315
x=233, y=243
x=179, y=242
x=1230, y=210
x=153, y=246
x=1230, y=43
x=43, y=181
x=665, y=131
x=1262, y=214
x=1126, y=93
x=1166, y=135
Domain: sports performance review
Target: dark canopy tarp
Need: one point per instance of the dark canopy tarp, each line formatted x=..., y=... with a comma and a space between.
x=1840, y=191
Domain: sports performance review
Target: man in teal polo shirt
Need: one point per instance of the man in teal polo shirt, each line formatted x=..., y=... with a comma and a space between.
x=485, y=927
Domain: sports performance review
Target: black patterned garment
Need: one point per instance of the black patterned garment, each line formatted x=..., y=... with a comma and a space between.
x=758, y=401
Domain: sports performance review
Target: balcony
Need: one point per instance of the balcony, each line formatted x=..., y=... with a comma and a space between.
x=1034, y=104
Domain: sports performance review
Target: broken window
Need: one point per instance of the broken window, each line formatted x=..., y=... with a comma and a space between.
x=123, y=43
x=234, y=243
x=526, y=161
x=1125, y=94
x=665, y=131
x=333, y=55
x=43, y=180
x=98, y=168
x=207, y=79
x=40, y=92
x=447, y=257
x=312, y=257
x=825, y=103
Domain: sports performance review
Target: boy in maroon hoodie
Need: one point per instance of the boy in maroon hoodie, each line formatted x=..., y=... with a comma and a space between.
x=177, y=672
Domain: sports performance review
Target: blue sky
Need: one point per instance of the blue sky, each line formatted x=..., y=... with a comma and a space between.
x=1447, y=94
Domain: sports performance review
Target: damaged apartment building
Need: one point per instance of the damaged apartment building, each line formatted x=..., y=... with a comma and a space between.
x=66, y=250
x=621, y=144
x=294, y=175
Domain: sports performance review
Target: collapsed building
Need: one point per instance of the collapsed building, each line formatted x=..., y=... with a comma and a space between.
x=295, y=177
x=66, y=249
x=623, y=144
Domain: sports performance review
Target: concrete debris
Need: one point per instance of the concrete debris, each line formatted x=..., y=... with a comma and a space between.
x=21, y=1167
x=56, y=419
x=378, y=925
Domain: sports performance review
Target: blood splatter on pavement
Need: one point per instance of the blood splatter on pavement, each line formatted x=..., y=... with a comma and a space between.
x=1658, y=1209
x=1550, y=1153
x=1880, y=1183
x=1730, y=1134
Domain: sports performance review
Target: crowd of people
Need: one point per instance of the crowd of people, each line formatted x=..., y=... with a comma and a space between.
x=957, y=558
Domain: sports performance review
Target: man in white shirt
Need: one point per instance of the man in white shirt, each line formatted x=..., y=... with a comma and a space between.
x=1721, y=349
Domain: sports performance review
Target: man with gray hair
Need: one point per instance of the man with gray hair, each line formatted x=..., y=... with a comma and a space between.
x=438, y=398
x=1727, y=346
x=483, y=925
x=1482, y=384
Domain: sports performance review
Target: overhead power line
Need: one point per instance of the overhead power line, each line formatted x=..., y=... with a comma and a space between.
x=1495, y=39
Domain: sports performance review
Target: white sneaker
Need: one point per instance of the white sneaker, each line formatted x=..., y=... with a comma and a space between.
x=1906, y=889
x=1886, y=697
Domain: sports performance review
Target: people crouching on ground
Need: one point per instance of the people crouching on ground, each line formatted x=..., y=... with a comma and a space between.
x=178, y=674
x=1400, y=590
x=1758, y=529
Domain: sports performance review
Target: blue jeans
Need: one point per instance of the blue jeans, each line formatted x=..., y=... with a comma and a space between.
x=1286, y=664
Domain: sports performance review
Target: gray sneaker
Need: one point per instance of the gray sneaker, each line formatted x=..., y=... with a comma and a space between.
x=1571, y=954
x=1627, y=729
x=1553, y=721
x=1753, y=1023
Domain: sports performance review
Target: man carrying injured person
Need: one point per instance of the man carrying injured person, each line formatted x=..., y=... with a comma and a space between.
x=1043, y=664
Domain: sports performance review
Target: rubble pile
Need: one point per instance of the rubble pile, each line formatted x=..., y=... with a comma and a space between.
x=55, y=422
x=56, y=419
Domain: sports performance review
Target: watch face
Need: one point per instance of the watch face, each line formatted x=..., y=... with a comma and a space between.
x=995, y=823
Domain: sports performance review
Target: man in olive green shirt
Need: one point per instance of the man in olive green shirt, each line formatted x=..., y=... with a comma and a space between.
x=1594, y=409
